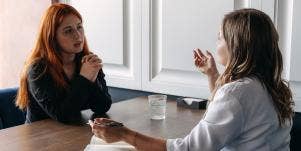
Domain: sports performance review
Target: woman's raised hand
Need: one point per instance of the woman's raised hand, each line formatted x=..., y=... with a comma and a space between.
x=205, y=62
x=91, y=65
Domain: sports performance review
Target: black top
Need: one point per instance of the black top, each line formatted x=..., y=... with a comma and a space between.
x=64, y=105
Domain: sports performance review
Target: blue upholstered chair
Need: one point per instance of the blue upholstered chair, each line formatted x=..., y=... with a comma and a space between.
x=10, y=115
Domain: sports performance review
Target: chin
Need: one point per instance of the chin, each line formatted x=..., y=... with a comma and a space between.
x=78, y=50
x=221, y=61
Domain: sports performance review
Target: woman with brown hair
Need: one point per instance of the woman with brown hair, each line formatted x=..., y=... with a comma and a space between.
x=251, y=105
x=61, y=77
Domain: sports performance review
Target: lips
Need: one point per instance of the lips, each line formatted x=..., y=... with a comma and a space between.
x=78, y=44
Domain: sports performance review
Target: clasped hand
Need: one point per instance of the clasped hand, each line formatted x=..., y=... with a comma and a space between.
x=91, y=65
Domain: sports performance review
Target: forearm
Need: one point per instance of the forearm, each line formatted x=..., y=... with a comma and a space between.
x=212, y=80
x=100, y=105
x=101, y=100
x=144, y=143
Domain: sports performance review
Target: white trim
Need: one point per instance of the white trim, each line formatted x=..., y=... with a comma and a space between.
x=295, y=53
x=125, y=71
x=255, y=4
x=285, y=17
x=267, y=6
x=284, y=14
x=297, y=104
x=239, y=4
x=128, y=75
x=296, y=89
x=276, y=7
x=155, y=77
x=65, y=1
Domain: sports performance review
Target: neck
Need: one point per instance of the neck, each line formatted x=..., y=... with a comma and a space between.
x=68, y=64
x=68, y=58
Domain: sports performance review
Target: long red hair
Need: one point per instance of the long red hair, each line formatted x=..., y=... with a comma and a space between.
x=47, y=49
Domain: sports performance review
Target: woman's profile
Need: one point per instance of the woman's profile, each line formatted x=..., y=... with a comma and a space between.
x=251, y=105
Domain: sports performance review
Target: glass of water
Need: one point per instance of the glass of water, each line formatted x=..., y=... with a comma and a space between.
x=157, y=106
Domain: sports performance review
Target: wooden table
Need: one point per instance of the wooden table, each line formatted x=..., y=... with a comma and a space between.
x=52, y=135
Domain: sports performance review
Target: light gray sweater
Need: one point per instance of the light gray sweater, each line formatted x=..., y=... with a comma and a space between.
x=240, y=118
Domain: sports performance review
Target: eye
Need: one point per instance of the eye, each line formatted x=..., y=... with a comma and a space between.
x=68, y=31
x=79, y=27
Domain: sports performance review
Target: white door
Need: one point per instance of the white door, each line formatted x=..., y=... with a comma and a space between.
x=113, y=31
x=171, y=30
x=147, y=44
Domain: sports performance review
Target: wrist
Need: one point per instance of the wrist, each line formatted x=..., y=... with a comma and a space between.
x=213, y=75
x=86, y=76
x=129, y=136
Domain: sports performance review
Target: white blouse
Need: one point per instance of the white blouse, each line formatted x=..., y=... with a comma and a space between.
x=240, y=118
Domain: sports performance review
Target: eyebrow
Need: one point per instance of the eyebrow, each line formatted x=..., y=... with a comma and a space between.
x=68, y=26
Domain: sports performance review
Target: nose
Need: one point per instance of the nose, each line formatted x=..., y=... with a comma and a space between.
x=77, y=35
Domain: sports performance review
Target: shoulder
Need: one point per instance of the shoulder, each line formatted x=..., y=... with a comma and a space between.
x=36, y=69
x=241, y=87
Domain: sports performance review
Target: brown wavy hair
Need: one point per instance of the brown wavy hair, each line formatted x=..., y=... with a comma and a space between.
x=47, y=49
x=252, y=42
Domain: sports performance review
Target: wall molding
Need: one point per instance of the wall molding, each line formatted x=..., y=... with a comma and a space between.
x=144, y=66
x=128, y=74
x=63, y=1
x=155, y=76
x=123, y=71
x=296, y=90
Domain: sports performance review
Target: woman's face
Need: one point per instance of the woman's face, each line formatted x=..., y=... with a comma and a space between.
x=70, y=35
x=222, y=49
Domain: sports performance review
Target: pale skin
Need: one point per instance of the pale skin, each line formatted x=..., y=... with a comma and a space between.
x=204, y=62
x=70, y=36
x=114, y=134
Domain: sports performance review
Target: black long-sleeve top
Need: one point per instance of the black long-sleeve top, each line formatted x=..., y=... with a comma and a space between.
x=64, y=105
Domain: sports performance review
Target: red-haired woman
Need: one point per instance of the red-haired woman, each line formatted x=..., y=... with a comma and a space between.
x=61, y=76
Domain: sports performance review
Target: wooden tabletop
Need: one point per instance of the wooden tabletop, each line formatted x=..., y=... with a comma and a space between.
x=134, y=113
x=52, y=135
x=45, y=135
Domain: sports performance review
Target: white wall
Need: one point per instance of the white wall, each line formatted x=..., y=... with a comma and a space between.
x=113, y=30
x=147, y=44
x=293, y=27
x=171, y=30
x=19, y=22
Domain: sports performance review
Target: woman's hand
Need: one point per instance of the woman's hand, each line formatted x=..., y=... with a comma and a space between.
x=107, y=133
x=114, y=134
x=91, y=64
x=205, y=62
